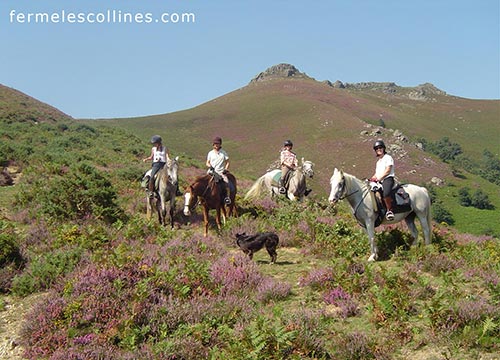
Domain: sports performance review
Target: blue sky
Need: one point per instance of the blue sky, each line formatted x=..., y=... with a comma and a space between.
x=104, y=69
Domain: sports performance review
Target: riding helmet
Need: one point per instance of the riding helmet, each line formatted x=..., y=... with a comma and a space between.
x=155, y=139
x=217, y=140
x=288, y=143
x=378, y=143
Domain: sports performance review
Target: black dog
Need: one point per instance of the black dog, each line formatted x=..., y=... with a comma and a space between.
x=250, y=244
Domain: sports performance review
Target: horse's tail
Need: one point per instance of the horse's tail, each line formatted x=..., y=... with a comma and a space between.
x=256, y=188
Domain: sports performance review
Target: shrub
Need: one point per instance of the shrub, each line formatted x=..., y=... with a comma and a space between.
x=441, y=215
x=9, y=248
x=80, y=193
x=44, y=271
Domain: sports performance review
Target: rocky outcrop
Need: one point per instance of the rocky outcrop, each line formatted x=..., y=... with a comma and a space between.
x=279, y=71
x=423, y=92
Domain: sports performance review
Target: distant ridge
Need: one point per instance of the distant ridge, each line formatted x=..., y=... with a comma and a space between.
x=16, y=106
x=423, y=92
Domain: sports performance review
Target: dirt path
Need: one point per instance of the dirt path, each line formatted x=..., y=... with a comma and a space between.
x=11, y=322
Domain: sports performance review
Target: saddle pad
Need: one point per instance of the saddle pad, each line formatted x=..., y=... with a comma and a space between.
x=276, y=178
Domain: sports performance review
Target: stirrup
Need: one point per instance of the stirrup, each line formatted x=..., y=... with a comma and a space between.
x=227, y=201
x=282, y=190
x=389, y=215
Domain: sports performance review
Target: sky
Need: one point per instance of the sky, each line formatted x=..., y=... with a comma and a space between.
x=128, y=58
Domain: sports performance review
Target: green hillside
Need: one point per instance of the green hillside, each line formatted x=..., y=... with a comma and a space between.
x=335, y=127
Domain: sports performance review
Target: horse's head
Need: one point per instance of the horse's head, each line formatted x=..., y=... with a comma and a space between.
x=337, y=183
x=307, y=168
x=172, y=166
x=189, y=201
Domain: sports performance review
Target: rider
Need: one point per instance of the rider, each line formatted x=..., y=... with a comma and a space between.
x=288, y=161
x=384, y=173
x=218, y=162
x=159, y=156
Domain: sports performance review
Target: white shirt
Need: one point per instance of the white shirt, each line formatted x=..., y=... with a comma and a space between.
x=159, y=155
x=382, y=164
x=218, y=160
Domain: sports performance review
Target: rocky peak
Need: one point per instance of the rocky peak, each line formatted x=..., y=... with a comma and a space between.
x=279, y=71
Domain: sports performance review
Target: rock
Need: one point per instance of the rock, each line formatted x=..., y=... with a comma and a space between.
x=437, y=181
x=279, y=71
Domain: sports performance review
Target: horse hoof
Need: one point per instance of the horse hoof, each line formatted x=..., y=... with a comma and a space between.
x=372, y=258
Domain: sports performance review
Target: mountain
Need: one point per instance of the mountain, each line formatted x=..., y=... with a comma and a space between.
x=332, y=124
x=16, y=106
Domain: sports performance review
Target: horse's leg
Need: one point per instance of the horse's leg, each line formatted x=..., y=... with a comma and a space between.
x=410, y=222
x=171, y=211
x=148, y=208
x=159, y=210
x=205, y=220
x=425, y=221
x=217, y=217
x=370, y=230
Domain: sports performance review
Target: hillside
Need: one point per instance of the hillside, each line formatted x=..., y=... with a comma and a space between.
x=16, y=106
x=329, y=125
x=334, y=125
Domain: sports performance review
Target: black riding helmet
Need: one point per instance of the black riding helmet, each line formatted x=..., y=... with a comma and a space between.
x=288, y=143
x=378, y=143
x=155, y=139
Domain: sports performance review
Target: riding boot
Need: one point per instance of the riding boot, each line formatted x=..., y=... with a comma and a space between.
x=227, y=199
x=389, y=215
x=281, y=187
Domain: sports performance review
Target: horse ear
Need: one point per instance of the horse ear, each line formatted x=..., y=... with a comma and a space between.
x=302, y=161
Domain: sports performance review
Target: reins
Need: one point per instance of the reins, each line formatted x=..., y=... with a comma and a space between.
x=355, y=209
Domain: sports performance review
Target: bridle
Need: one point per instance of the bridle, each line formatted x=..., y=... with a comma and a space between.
x=346, y=196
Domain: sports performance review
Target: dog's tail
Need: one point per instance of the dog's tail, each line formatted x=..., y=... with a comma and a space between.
x=256, y=188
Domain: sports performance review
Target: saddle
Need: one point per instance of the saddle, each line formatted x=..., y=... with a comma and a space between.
x=219, y=182
x=286, y=179
x=400, y=200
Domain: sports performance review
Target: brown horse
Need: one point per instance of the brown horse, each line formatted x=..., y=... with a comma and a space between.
x=207, y=192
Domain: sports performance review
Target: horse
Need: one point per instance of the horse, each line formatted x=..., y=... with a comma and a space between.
x=363, y=205
x=205, y=190
x=166, y=185
x=296, y=186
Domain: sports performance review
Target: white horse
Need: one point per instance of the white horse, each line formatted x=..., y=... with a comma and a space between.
x=296, y=186
x=166, y=185
x=363, y=205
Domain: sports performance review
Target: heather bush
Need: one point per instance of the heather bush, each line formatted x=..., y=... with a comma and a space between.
x=320, y=278
x=355, y=346
x=235, y=273
x=347, y=306
x=271, y=290
x=46, y=270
